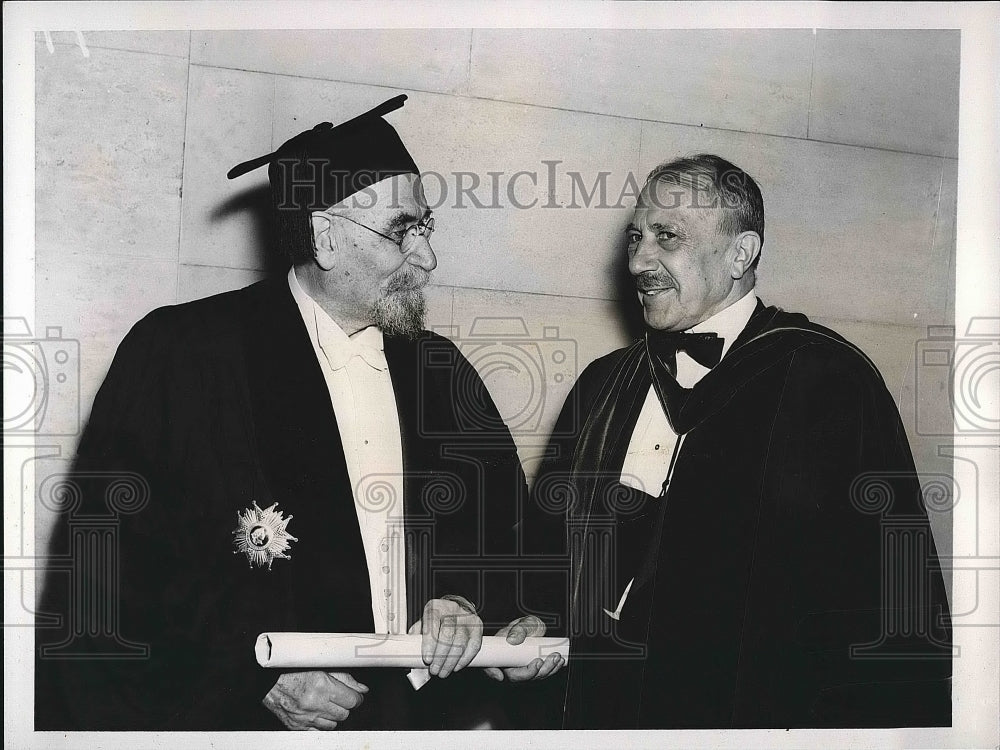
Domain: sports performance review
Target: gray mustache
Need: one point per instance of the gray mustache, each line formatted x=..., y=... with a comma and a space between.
x=408, y=281
x=645, y=282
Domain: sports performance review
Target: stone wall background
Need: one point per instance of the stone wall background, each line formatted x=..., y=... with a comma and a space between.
x=852, y=136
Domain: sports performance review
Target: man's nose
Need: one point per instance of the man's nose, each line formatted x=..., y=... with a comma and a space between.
x=421, y=254
x=643, y=258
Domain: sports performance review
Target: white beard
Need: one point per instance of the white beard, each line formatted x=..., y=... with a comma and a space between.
x=401, y=310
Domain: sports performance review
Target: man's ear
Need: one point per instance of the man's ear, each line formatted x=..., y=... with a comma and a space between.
x=323, y=240
x=747, y=248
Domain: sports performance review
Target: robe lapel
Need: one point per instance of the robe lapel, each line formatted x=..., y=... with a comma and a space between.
x=302, y=457
x=612, y=416
x=422, y=412
x=751, y=354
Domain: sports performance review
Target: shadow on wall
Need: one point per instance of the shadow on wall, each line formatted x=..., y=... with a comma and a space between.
x=256, y=203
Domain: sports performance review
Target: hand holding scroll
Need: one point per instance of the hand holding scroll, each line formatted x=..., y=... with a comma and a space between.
x=537, y=669
x=452, y=634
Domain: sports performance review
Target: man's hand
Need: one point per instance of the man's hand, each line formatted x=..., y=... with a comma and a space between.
x=452, y=635
x=314, y=700
x=537, y=669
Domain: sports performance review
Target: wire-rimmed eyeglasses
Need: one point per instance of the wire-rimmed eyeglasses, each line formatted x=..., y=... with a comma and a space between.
x=423, y=228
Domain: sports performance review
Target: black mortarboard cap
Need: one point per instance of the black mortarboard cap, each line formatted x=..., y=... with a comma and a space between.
x=320, y=167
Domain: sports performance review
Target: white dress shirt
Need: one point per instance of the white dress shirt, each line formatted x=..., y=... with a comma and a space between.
x=648, y=459
x=364, y=402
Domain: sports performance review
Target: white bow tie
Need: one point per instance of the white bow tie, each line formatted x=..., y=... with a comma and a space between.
x=340, y=353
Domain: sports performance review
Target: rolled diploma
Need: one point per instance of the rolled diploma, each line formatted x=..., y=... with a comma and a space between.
x=348, y=650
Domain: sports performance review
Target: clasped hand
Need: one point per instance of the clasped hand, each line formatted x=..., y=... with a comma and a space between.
x=314, y=700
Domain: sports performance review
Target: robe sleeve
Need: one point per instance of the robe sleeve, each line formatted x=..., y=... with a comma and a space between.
x=543, y=525
x=855, y=630
x=146, y=423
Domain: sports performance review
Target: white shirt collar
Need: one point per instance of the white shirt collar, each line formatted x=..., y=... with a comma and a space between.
x=328, y=335
x=730, y=322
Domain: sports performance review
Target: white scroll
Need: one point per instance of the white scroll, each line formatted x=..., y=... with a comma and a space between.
x=350, y=650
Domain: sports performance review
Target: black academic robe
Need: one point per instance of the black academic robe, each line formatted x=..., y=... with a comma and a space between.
x=788, y=577
x=207, y=408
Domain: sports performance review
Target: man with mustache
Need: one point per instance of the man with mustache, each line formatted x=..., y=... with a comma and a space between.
x=744, y=526
x=318, y=391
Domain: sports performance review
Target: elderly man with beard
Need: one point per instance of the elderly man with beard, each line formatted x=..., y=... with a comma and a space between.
x=748, y=545
x=308, y=469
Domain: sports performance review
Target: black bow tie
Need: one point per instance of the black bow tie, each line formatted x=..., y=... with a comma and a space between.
x=703, y=348
x=662, y=347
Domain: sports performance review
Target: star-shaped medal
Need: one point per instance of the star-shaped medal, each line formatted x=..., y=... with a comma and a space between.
x=262, y=536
